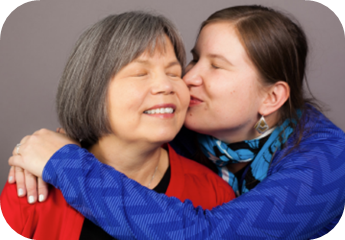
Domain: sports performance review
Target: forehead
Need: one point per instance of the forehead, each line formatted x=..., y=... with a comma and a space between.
x=161, y=47
x=219, y=36
x=221, y=39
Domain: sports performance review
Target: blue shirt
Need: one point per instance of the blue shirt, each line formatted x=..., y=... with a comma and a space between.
x=302, y=197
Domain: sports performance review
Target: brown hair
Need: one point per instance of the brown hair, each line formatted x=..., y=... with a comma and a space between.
x=278, y=48
x=99, y=54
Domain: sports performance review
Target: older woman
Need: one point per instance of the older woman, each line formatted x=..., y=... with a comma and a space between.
x=282, y=156
x=121, y=95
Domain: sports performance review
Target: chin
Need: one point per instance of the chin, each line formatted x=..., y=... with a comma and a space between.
x=163, y=136
x=194, y=125
x=202, y=127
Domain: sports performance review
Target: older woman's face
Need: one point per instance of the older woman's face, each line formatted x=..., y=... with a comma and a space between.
x=147, y=99
x=224, y=86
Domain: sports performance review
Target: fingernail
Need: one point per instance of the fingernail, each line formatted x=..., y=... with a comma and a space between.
x=10, y=179
x=31, y=199
x=41, y=198
x=20, y=192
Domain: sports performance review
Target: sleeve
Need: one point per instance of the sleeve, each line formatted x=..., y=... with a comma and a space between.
x=302, y=195
x=19, y=215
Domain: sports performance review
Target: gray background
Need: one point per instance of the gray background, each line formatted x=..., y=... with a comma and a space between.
x=37, y=38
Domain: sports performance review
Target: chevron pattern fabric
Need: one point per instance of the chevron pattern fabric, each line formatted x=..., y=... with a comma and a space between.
x=302, y=197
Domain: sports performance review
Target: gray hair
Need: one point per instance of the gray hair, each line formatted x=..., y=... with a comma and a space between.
x=99, y=54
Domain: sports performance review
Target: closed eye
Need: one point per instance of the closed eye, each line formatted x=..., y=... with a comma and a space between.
x=215, y=67
x=140, y=75
x=174, y=74
x=171, y=74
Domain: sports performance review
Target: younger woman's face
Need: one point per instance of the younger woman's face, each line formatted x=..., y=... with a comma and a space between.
x=224, y=86
x=147, y=99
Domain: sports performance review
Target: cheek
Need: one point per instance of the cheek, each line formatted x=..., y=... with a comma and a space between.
x=125, y=94
x=121, y=105
x=229, y=102
x=219, y=85
x=185, y=97
x=182, y=93
x=222, y=96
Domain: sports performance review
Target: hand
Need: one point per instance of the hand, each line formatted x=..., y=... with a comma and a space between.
x=28, y=184
x=36, y=149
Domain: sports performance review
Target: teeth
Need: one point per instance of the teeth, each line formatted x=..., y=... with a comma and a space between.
x=160, y=111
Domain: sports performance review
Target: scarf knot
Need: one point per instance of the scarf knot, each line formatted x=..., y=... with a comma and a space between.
x=258, y=152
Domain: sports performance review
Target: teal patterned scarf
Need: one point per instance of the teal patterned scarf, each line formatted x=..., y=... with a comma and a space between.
x=258, y=151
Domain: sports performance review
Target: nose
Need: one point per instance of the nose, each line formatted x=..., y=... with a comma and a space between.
x=192, y=78
x=162, y=84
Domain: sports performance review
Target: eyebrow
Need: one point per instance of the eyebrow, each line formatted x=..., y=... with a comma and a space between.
x=220, y=57
x=174, y=63
x=214, y=56
x=145, y=62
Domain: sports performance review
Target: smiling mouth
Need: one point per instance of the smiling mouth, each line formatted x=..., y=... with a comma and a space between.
x=167, y=110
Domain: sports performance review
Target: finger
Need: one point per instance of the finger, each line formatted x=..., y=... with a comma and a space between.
x=61, y=130
x=11, y=175
x=15, y=160
x=18, y=175
x=20, y=179
x=16, y=149
x=42, y=190
x=25, y=139
x=36, y=168
x=31, y=187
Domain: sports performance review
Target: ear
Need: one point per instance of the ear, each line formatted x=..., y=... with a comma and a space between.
x=275, y=96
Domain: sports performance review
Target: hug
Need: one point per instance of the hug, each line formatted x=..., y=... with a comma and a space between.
x=245, y=114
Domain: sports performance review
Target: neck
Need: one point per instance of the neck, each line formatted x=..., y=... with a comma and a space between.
x=246, y=133
x=235, y=135
x=143, y=162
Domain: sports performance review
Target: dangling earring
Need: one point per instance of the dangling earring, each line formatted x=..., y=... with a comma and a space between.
x=261, y=126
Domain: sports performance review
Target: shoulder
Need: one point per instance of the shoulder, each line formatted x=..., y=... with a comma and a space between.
x=320, y=151
x=319, y=135
x=312, y=170
x=39, y=219
x=17, y=211
x=317, y=127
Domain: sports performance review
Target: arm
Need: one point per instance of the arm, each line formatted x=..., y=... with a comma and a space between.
x=300, y=197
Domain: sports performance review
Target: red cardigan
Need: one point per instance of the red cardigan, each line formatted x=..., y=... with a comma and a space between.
x=55, y=219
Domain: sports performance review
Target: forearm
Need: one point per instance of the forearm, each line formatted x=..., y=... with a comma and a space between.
x=287, y=205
